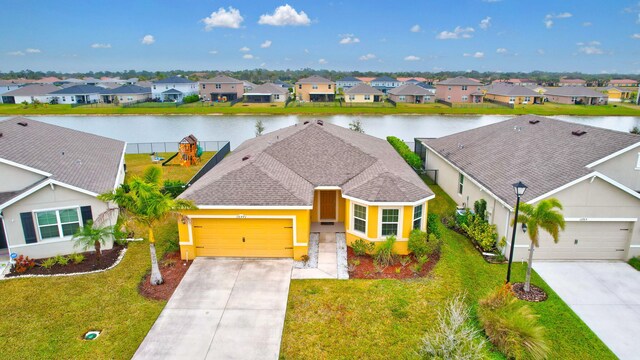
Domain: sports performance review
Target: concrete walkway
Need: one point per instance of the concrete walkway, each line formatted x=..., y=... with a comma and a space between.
x=606, y=296
x=331, y=262
x=223, y=309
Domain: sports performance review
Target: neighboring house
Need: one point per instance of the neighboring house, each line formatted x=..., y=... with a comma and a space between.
x=77, y=94
x=515, y=81
x=411, y=93
x=347, y=82
x=572, y=82
x=283, y=84
x=366, y=80
x=51, y=176
x=591, y=171
x=413, y=80
x=6, y=86
x=507, y=93
x=362, y=93
x=578, y=95
x=248, y=85
x=266, y=93
x=623, y=83
x=265, y=198
x=221, y=88
x=459, y=90
x=173, y=89
x=617, y=94
x=538, y=88
x=126, y=94
x=385, y=83
x=315, y=88
x=30, y=93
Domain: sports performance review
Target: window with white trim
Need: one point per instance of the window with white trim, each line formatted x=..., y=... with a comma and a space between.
x=218, y=86
x=314, y=87
x=389, y=223
x=352, y=97
x=360, y=218
x=460, y=183
x=417, y=216
x=53, y=224
x=367, y=97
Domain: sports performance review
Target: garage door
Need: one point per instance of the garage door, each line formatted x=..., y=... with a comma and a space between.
x=587, y=241
x=243, y=237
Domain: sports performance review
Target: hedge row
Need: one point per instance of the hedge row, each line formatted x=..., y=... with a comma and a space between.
x=409, y=156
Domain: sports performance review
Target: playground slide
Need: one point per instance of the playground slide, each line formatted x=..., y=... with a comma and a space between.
x=170, y=158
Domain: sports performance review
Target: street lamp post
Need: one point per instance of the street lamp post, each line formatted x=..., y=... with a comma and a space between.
x=519, y=188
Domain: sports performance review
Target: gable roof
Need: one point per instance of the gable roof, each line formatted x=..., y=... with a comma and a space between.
x=349, y=79
x=127, y=89
x=619, y=89
x=172, y=92
x=504, y=89
x=544, y=156
x=76, y=158
x=426, y=86
x=32, y=90
x=283, y=167
x=314, y=79
x=623, y=81
x=79, y=89
x=572, y=81
x=363, y=89
x=410, y=89
x=574, y=91
x=460, y=81
x=174, y=80
x=267, y=88
x=384, y=79
x=222, y=79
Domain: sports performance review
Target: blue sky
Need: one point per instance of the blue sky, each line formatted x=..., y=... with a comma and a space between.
x=485, y=35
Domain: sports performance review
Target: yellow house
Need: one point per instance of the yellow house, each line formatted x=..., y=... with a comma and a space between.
x=269, y=194
x=512, y=94
x=616, y=94
x=362, y=93
x=315, y=88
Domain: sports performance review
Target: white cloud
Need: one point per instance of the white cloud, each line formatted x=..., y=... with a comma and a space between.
x=263, y=65
x=502, y=50
x=457, y=33
x=348, y=39
x=477, y=55
x=416, y=28
x=101, y=46
x=322, y=61
x=213, y=52
x=247, y=56
x=245, y=49
x=367, y=57
x=548, y=19
x=148, y=40
x=587, y=23
x=590, y=50
x=540, y=51
x=306, y=51
x=411, y=58
x=33, y=51
x=285, y=15
x=266, y=44
x=223, y=19
x=15, y=53
x=635, y=36
x=485, y=23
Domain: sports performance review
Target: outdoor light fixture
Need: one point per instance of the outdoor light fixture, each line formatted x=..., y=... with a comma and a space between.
x=519, y=189
x=524, y=227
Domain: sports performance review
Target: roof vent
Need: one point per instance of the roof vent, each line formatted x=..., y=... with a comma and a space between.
x=306, y=122
x=533, y=122
x=578, y=132
x=246, y=157
x=0, y=135
x=320, y=122
x=22, y=123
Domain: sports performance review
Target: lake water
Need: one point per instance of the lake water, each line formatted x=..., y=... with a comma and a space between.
x=236, y=129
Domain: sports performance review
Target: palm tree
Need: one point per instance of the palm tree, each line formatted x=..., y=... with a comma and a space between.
x=541, y=216
x=90, y=235
x=142, y=202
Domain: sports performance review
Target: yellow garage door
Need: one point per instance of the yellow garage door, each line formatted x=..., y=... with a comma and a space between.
x=243, y=237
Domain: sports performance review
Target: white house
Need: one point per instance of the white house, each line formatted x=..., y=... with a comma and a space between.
x=77, y=94
x=173, y=88
x=30, y=93
x=6, y=86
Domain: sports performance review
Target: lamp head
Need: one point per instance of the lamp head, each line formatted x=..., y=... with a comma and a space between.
x=519, y=188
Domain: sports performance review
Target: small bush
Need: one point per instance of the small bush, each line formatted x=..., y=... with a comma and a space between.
x=61, y=260
x=404, y=260
x=417, y=243
x=635, y=262
x=76, y=258
x=433, y=245
x=416, y=268
x=173, y=187
x=480, y=208
x=304, y=258
x=48, y=263
x=385, y=255
x=433, y=225
x=190, y=98
x=362, y=247
x=483, y=233
x=403, y=149
x=453, y=337
x=23, y=263
x=173, y=245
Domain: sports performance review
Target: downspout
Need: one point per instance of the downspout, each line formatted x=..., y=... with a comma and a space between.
x=6, y=237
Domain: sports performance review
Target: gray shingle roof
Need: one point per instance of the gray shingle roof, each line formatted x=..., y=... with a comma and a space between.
x=79, y=90
x=573, y=91
x=544, y=156
x=267, y=88
x=460, y=81
x=363, y=89
x=510, y=90
x=283, y=168
x=73, y=157
x=174, y=80
x=127, y=89
x=410, y=89
x=315, y=79
x=221, y=79
x=33, y=90
x=384, y=79
x=172, y=91
x=350, y=79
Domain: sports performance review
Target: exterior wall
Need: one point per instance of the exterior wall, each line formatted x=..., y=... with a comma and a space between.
x=72, y=99
x=454, y=93
x=206, y=88
x=516, y=99
x=302, y=224
x=412, y=99
x=43, y=199
x=359, y=98
x=623, y=169
x=303, y=91
x=14, y=178
x=569, y=99
x=582, y=83
x=7, y=88
x=186, y=88
x=347, y=84
x=129, y=98
x=29, y=99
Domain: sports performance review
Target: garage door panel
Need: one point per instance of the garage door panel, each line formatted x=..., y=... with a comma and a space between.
x=587, y=241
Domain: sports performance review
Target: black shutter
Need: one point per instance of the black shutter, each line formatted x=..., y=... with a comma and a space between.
x=3, y=240
x=28, y=228
x=86, y=214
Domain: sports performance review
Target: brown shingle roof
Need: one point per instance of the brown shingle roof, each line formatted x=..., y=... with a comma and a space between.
x=460, y=81
x=267, y=88
x=574, y=91
x=545, y=155
x=283, y=167
x=315, y=79
x=221, y=79
x=32, y=90
x=510, y=90
x=410, y=89
x=363, y=89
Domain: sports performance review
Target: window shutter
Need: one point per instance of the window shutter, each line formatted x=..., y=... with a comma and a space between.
x=86, y=214
x=28, y=228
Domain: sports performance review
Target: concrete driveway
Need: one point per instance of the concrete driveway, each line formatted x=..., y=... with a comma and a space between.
x=223, y=309
x=606, y=296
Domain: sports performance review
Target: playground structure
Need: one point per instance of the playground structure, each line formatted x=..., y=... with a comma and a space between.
x=189, y=151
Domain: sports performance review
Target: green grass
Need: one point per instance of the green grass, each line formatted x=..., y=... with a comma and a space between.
x=137, y=163
x=45, y=318
x=635, y=262
x=321, y=109
x=381, y=319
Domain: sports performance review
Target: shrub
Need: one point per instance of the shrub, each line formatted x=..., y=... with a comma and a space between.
x=362, y=247
x=480, y=208
x=385, y=255
x=433, y=225
x=513, y=328
x=417, y=242
x=464, y=218
x=23, y=263
x=190, y=98
x=453, y=337
x=433, y=245
x=61, y=260
x=416, y=268
x=173, y=187
x=405, y=260
x=635, y=262
x=76, y=258
x=483, y=233
x=403, y=149
x=48, y=263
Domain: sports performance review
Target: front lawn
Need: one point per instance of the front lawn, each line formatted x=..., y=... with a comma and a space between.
x=382, y=319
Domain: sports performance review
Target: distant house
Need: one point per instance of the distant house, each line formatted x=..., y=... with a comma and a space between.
x=6, y=86
x=512, y=94
x=266, y=93
x=248, y=85
x=49, y=188
x=578, y=95
x=516, y=81
x=411, y=93
x=364, y=79
x=362, y=93
x=315, y=88
x=77, y=94
x=173, y=88
x=459, y=89
x=221, y=88
x=347, y=82
x=283, y=84
x=126, y=94
x=617, y=93
x=385, y=83
x=623, y=83
x=30, y=93
x=572, y=82
x=414, y=80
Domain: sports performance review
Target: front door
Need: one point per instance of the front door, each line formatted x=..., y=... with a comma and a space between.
x=328, y=205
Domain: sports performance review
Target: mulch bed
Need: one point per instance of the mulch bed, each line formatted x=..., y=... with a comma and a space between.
x=107, y=259
x=172, y=269
x=367, y=270
x=535, y=293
